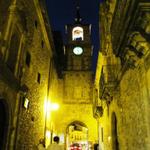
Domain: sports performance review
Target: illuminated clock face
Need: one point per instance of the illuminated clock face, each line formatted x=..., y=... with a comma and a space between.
x=77, y=50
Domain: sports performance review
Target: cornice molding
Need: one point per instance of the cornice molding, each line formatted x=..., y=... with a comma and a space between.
x=131, y=19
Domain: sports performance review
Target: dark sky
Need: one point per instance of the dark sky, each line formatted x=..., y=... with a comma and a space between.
x=62, y=12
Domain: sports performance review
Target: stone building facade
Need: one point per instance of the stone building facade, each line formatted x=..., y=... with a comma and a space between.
x=26, y=68
x=31, y=79
x=122, y=81
x=76, y=88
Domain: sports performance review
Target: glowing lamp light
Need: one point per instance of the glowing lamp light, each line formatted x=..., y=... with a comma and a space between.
x=109, y=138
x=48, y=106
x=54, y=106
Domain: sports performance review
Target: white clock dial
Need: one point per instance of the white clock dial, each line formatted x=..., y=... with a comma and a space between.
x=78, y=50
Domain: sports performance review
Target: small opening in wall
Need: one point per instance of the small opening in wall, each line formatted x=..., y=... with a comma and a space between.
x=32, y=118
x=39, y=78
x=28, y=59
x=36, y=24
x=42, y=44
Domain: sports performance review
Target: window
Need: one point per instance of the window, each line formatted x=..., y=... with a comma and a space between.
x=13, y=51
x=39, y=78
x=36, y=24
x=28, y=59
x=77, y=34
x=42, y=44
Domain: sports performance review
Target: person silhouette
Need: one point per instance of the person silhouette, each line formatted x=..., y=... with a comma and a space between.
x=41, y=145
x=55, y=145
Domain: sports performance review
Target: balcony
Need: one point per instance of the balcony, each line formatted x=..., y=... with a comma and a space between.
x=108, y=81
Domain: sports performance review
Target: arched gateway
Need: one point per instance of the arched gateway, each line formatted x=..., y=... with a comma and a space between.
x=77, y=135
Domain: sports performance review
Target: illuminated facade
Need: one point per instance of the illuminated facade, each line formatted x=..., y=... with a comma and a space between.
x=38, y=100
x=122, y=82
x=77, y=88
x=31, y=86
x=26, y=63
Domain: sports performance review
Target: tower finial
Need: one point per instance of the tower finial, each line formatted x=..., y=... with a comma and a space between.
x=78, y=17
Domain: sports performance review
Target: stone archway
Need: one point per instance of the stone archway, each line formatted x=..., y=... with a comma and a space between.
x=3, y=124
x=115, y=143
x=77, y=133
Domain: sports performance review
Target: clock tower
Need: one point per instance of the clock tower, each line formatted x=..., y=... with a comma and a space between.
x=78, y=49
x=76, y=114
x=78, y=52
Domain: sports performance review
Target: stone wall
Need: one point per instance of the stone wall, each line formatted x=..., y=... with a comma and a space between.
x=77, y=87
x=124, y=122
x=131, y=106
x=69, y=113
x=29, y=79
x=134, y=100
x=36, y=77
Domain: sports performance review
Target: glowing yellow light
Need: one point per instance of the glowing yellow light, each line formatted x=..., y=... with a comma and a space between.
x=54, y=106
x=47, y=137
x=109, y=138
x=48, y=106
x=48, y=134
x=77, y=32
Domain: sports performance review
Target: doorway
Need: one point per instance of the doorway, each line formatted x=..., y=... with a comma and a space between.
x=3, y=124
x=115, y=143
x=77, y=136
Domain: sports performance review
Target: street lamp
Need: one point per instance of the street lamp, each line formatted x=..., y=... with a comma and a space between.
x=54, y=106
x=48, y=108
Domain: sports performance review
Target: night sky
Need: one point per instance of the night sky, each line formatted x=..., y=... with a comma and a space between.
x=62, y=12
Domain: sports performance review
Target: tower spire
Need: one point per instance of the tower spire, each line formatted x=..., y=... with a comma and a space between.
x=78, y=17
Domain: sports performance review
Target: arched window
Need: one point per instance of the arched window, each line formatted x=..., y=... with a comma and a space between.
x=77, y=34
x=13, y=51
